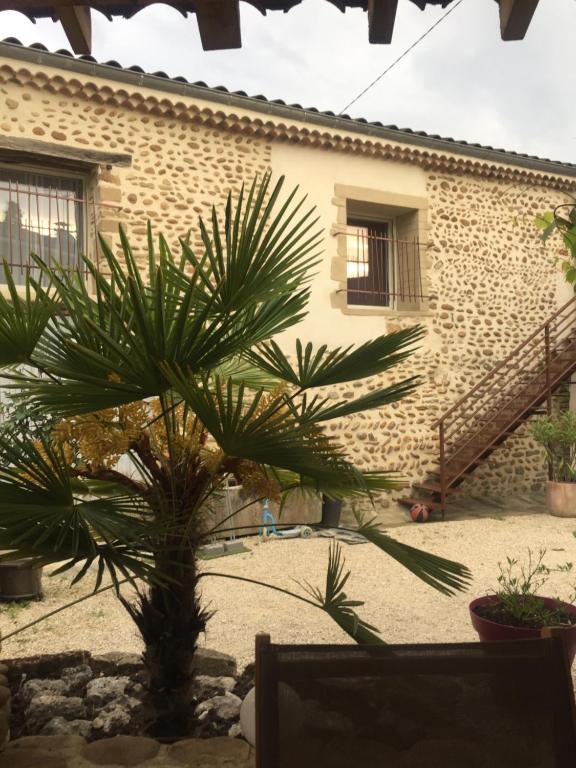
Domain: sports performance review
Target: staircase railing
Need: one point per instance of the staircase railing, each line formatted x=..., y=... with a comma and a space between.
x=506, y=388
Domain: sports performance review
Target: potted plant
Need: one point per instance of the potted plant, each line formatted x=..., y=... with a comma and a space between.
x=558, y=437
x=20, y=577
x=516, y=612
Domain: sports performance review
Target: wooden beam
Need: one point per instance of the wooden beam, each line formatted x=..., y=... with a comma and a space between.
x=515, y=18
x=219, y=24
x=18, y=150
x=381, y=17
x=77, y=24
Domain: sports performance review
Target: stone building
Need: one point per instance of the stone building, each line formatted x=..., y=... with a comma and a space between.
x=419, y=228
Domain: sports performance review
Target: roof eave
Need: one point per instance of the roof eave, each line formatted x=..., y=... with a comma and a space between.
x=344, y=124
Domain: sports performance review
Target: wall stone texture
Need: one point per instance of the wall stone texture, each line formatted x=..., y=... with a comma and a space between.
x=179, y=169
x=491, y=280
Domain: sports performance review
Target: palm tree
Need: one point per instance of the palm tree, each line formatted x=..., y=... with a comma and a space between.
x=162, y=381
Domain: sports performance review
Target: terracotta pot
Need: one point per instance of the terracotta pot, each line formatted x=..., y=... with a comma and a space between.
x=561, y=499
x=491, y=631
x=20, y=580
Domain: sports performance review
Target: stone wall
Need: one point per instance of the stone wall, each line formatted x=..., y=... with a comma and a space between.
x=491, y=280
x=179, y=169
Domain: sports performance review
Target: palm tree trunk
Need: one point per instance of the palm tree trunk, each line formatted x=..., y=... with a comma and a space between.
x=170, y=619
x=169, y=614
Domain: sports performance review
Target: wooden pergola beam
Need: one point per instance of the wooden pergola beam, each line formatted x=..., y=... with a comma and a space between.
x=381, y=18
x=219, y=24
x=77, y=24
x=515, y=18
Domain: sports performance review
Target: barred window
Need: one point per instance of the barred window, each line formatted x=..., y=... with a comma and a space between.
x=41, y=213
x=370, y=263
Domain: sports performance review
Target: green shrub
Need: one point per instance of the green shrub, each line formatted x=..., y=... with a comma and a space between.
x=558, y=437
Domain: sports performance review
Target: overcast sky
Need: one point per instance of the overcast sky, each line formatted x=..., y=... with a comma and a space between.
x=461, y=81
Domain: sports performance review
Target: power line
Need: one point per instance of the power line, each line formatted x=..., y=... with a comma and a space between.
x=402, y=55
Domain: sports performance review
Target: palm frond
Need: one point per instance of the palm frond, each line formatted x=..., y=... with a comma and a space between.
x=341, y=486
x=336, y=603
x=23, y=318
x=42, y=516
x=322, y=409
x=260, y=251
x=247, y=427
x=447, y=576
x=107, y=348
x=318, y=368
x=241, y=371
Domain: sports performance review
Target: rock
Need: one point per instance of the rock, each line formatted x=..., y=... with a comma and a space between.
x=34, y=758
x=48, y=744
x=3, y=669
x=45, y=665
x=117, y=662
x=226, y=707
x=75, y=678
x=245, y=681
x=135, y=689
x=235, y=731
x=121, y=750
x=112, y=721
x=58, y=726
x=33, y=688
x=4, y=695
x=42, y=751
x=206, y=686
x=101, y=690
x=4, y=726
x=116, y=716
x=221, y=750
x=45, y=707
x=291, y=714
x=214, y=663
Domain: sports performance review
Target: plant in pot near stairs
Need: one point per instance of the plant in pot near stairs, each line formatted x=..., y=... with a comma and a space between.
x=557, y=435
x=515, y=610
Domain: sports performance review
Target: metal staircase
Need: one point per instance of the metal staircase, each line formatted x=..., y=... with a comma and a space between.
x=501, y=401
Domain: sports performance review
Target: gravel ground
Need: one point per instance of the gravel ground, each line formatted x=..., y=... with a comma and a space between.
x=404, y=609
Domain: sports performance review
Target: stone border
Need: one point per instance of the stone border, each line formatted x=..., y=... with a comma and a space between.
x=74, y=752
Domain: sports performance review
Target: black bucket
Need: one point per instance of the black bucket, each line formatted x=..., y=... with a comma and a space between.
x=331, y=511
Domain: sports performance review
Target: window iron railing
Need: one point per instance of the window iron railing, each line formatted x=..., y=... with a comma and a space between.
x=382, y=270
x=56, y=225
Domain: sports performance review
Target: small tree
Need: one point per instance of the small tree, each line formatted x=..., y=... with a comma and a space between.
x=172, y=371
x=563, y=221
x=557, y=435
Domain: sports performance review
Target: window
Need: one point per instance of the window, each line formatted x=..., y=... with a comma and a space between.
x=378, y=264
x=369, y=263
x=41, y=213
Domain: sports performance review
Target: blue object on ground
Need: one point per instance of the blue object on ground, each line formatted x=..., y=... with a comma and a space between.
x=268, y=522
